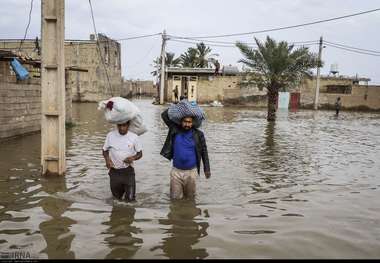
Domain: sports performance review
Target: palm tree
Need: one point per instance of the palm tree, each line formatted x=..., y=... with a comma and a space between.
x=189, y=58
x=202, y=52
x=170, y=61
x=196, y=57
x=275, y=65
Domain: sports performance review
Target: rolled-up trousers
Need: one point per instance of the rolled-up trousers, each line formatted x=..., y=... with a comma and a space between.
x=122, y=181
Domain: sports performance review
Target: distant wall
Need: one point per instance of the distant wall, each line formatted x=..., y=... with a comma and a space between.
x=138, y=87
x=210, y=88
x=93, y=86
x=361, y=97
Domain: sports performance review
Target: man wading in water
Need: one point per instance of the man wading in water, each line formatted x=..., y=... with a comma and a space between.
x=186, y=145
x=120, y=150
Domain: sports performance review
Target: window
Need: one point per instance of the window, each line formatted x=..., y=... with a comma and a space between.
x=339, y=89
x=116, y=59
x=106, y=55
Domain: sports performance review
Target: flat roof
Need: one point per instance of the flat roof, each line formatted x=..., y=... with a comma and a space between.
x=190, y=70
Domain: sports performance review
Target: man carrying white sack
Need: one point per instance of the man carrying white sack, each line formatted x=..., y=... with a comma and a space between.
x=121, y=148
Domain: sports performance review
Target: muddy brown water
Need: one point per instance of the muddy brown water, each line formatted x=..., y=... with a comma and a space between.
x=306, y=187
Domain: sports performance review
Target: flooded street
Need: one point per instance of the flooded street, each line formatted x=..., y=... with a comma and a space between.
x=307, y=186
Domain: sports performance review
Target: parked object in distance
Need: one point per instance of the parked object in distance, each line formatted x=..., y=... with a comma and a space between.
x=216, y=103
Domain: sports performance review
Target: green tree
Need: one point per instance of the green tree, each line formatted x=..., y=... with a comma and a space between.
x=276, y=65
x=202, y=55
x=189, y=59
x=196, y=57
x=170, y=61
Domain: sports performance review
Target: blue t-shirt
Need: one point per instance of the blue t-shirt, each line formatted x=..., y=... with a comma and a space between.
x=184, y=156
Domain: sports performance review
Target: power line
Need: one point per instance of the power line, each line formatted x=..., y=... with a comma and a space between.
x=137, y=37
x=351, y=47
x=194, y=42
x=233, y=43
x=27, y=27
x=352, y=50
x=288, y=27
x=100, y=52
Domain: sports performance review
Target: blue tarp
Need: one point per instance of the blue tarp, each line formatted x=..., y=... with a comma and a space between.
x=21, y=72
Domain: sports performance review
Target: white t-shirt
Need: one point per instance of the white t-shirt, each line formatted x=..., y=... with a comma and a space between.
x=121, y=146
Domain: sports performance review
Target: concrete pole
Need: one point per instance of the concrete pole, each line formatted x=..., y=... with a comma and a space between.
x=53, y=87
x=162, y=76
x=318, y=74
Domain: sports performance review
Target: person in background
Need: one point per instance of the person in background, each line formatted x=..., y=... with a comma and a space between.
x=338, y=105
x=217, y=67
x=175, y=91
x=120, y=150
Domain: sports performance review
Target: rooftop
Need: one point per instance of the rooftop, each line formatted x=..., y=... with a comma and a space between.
x=190, y=70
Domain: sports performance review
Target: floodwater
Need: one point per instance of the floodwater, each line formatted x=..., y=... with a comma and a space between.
x=306, y=187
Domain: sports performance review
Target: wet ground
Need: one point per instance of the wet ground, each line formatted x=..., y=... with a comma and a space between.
x=307, y=186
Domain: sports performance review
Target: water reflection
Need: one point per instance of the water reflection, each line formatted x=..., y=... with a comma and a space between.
x=185, y=231
x=122, y=242
x=220, y=114
x=270, y=146
x=56, y=231
x=269, y=157
x=280, y=180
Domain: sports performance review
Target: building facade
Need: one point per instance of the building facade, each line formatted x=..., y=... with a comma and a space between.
x=95, y=65
x=203, y=86
x=132, y=88
x=20, y=100
x=355, y=93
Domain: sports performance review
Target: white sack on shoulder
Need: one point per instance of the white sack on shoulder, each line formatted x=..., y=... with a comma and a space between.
x=119, y=110
x=137, y=126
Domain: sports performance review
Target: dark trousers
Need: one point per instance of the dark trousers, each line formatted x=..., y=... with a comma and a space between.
x=122, y=181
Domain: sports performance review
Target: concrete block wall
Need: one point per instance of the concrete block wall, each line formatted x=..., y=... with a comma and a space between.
x=138, y=87
x=20, y=104
x=218, y=88
x=91, y=86
x=20, y=107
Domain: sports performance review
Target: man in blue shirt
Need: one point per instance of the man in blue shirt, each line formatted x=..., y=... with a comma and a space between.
x=186, y=145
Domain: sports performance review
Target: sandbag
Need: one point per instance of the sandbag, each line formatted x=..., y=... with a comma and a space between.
x=184, y=108
x=118, y=110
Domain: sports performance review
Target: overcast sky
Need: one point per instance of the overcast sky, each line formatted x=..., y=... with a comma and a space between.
x=128, y=18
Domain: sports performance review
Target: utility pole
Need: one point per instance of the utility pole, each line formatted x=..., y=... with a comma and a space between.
x=53, y=87
x=162, y=76
x=318, y=74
